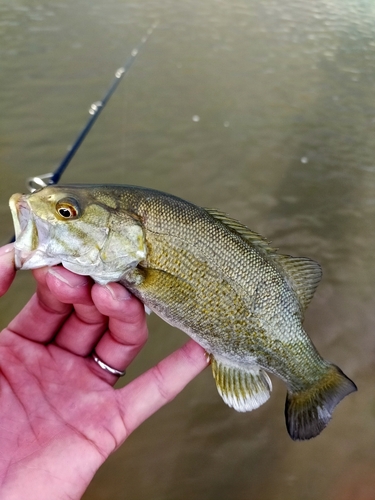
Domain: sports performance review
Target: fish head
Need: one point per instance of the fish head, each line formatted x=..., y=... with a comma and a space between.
x=80, y=228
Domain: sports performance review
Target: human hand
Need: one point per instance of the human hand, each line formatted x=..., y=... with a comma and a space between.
x=60, y=417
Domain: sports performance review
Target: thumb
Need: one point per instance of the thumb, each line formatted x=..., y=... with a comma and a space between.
x=159, y=385
x=7, y=269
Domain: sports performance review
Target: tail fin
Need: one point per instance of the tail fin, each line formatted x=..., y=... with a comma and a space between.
x=307, y=413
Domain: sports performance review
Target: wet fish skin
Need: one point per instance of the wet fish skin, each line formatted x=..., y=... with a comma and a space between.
x=203, y=272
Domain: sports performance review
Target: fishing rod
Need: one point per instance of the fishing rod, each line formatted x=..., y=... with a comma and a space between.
x=43, y=180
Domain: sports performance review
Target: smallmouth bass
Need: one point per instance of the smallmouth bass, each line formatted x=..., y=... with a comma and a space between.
x=201, y=271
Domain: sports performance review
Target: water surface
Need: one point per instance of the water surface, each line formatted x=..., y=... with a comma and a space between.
x=264, y=110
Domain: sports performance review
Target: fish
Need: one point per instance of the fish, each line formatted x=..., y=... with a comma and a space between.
x=202, y=272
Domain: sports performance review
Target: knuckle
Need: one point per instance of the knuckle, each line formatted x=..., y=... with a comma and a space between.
x=160, y=381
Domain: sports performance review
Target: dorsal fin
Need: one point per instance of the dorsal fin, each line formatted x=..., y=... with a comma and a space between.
x=304, y=275
x=261, y=243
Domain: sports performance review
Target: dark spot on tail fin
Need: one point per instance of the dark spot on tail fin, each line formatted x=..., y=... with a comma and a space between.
x=307, y=413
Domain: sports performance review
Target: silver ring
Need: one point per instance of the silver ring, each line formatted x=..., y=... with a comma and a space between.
x=106, y=367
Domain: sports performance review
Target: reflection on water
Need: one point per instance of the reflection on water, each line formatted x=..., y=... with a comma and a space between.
x=284, y=141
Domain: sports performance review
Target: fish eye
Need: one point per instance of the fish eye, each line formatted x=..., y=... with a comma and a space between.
x=67, y=208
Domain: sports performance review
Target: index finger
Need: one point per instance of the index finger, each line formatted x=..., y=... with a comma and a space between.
x=7, y=269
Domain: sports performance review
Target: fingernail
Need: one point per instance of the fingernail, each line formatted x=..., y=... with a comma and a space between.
x=70, y=279
x=118, y=292
x=207, y=357
x=6, y=248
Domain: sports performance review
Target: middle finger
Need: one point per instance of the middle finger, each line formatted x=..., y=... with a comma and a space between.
x=84, y=327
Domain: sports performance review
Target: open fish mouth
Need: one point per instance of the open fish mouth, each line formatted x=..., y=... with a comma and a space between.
x=32, y=235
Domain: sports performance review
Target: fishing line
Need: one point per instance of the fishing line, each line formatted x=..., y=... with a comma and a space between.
x=43, y=180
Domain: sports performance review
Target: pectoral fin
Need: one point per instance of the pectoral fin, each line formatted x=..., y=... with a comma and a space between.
x=242, y=388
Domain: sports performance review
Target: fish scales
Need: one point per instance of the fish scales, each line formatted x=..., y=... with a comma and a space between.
x=241, y=292
x=203, y=272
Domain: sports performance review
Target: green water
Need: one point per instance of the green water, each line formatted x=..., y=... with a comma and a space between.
x=285, y=142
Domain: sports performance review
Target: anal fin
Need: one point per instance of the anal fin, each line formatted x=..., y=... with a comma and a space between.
x=242, y=388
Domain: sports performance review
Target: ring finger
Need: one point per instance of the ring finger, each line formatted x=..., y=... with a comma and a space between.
x=127, y=329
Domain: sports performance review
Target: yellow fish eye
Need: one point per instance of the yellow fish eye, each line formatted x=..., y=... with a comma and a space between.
x=67, y=208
